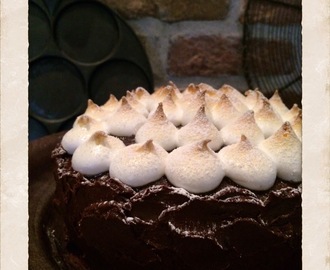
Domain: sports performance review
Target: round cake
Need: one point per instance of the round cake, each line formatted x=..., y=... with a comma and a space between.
x=199, y=178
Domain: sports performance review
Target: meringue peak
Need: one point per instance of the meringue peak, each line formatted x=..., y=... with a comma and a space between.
x=200, y=128
x=278, y=104
x=141, y=92
x=191, y=89
x=161, y=93
x=284, y=147
x=252, y=97
x=292, y=113
x=136, y=165
x=224, y=112
x=203, y=145
x=125, y=105
x=111, y=103
x=159, y=114
x=285, y=131
x=245, y=141
x=99, y=137
x=187, y=166
x=209, y=90
x=148, y=146
x=266, y=117
x=94, y=155
x=245, y=124
x=84, y=121
x=236, y=97
x=125, y=121
x=95, y=111
x=91, y=105
x=159, y=129
x=247, y=165
x=171, y=109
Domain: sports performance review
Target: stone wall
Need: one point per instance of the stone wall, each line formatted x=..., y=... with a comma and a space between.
x=194, y=41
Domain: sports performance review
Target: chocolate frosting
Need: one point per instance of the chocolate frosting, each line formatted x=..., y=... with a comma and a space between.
x=159, y=226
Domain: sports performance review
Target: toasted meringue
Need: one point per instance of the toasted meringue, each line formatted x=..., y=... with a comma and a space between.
x=136, y=105
x=139, y=164
x=194, y=167
x=247, y=165
x=160, y=93
x=244, y=125
x=82, y=129
x=236, y=97
x=191, y=89
x=159, y=129
x=200, y=128
x=191, y=102
x=95, y=111
x=177, y=93
x=266, y=118
x=224, y=112
x=252, y=97
x=125, y=121
x=112, y=104
x=94, y=156
x=278, y=104
x=143, y=96
x=210, y=92
x=296, y=125
x=284, y=148
x=292, y=113
x=171, y=109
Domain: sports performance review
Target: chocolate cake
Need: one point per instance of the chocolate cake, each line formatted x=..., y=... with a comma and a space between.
x=193, y=179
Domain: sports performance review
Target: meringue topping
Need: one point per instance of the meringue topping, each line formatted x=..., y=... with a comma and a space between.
x=200, y=128
x=112, y=104
x=175, y=90
x=125, y=121
x=139, y=164
x=266, y=118
x=94, y=111
x=244, y=125
x=247, y=165
x=94, y=156
x=211, y=93
x=236, y=97
x=292, y=113
x=161, y=93
x=194, y=167
x=278, y=104
x=251, y=98
x=171, y=109
x=191, y=103
x=224, y=112
x=143, y=96
x=159, y=129
x=284, y=148
x=296, y=125
x=136, y=105
x=82, y=129
x=191, y=89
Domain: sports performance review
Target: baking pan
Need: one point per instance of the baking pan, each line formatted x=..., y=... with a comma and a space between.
x=78, y=50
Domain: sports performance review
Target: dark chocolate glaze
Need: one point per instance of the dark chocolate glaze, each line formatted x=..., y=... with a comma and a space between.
x=109, y=225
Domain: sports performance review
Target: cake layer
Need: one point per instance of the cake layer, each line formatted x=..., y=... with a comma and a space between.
x=158, y=226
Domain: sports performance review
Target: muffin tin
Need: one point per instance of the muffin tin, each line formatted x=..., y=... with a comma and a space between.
x=78, y=50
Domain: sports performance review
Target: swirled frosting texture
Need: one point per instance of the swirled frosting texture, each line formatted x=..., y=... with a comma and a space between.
x=195, y=137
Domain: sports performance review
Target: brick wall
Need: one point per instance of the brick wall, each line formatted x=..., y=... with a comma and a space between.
x=194, y=41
